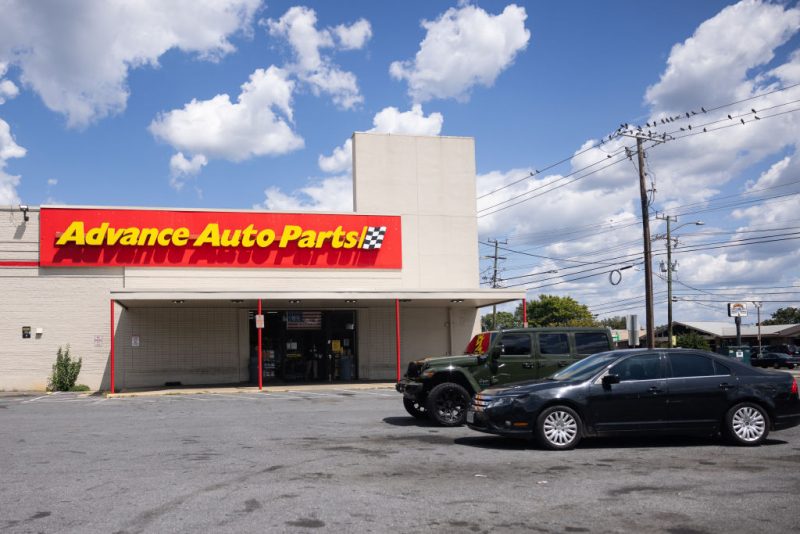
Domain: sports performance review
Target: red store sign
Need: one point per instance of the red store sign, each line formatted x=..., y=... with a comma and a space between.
x=75, y=237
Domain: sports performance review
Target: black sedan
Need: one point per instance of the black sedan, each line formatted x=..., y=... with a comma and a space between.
x=642, y=391
x=775, y=359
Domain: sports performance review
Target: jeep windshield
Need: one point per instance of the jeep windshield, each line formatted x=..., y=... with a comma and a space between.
x=585, y=368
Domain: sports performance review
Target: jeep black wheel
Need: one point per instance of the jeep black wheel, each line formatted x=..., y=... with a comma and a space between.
x=415, y=408
x=447, y=404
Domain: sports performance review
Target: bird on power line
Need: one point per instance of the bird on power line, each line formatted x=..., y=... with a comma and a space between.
x=687, y=115
x=729, y=116
x=757, y=117
x=703, y=109
x=754, y=111
x=742, y=120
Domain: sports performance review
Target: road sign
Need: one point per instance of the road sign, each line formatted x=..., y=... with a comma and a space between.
x=259, y=321
x=737, y=309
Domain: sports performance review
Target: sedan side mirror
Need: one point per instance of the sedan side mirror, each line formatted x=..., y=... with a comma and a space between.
x=610, y=379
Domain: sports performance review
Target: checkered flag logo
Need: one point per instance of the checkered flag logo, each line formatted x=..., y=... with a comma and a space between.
x=373, y=239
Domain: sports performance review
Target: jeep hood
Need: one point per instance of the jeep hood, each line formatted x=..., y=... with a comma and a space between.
x=465, y=360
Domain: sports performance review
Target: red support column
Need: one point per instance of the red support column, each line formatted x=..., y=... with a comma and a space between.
x=112, y=345
x=397, y=333
x=260, y=355
x=525, y=313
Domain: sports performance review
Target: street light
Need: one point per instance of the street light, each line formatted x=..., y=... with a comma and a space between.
x=758, y=305
x=670, y=268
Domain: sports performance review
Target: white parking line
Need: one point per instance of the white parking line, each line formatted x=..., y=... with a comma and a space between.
x=370, y=393
x=37, y=398
x=313, y=393
x=231, y=396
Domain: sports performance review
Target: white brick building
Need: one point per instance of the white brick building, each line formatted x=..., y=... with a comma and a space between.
x=191, y=323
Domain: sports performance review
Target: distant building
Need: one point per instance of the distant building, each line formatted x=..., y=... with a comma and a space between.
x=723, y=333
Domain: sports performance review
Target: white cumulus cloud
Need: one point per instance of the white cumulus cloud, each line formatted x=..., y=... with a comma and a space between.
x=8, y=89
x=8, y=149
x=77, y=55
x=299, y=27
x=334, y=193
x=182, y=168
x=463, y=48
x=257, y=124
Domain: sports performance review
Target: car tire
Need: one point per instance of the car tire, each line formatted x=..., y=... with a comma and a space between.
x=777, y=366
x=747, y=424
x=447, y=404
x=415, y=408
x=558, y=428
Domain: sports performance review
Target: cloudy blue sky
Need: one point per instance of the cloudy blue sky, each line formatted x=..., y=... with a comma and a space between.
x=246, y=104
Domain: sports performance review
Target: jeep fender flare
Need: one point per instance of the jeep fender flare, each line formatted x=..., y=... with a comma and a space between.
x=456, y=376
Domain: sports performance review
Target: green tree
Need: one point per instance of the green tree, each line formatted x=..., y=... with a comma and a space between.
x=693, y=340
x=551, y=310
x=65, y=371
x=787, y=315
x=617, y=322
x=504, y=320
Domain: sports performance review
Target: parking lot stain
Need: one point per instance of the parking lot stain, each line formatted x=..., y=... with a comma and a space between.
x=39, y=515
x=686, y=530
x=251, y=505
x=627, y=490
x=474, y=527
x=575, y=529
x=306, y=523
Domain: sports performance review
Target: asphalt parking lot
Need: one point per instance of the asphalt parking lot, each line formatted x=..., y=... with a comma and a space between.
x=353, y=461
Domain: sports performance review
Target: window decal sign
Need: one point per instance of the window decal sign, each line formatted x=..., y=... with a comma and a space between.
x=80, y=237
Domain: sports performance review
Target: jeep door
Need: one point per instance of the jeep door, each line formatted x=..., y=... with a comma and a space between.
x=552, y=353
x=515, y=361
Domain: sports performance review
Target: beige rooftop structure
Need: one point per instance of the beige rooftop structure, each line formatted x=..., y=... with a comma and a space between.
x=191, y=324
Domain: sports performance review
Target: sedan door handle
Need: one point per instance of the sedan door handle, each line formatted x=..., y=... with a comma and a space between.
x=725, y=385
x=655, y=389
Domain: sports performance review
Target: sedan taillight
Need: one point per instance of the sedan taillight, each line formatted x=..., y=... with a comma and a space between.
x=794, y=387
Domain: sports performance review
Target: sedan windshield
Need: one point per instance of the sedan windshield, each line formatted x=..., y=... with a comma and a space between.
x=585, y=368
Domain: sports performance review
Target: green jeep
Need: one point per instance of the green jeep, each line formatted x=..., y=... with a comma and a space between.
x=441, y=388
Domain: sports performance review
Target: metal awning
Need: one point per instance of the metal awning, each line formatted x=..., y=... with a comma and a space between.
x=288, y=299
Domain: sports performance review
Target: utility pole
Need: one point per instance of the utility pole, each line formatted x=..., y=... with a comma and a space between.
x=670, y=268
x=758, y=305
x=648, y=257
x=648, y=267
x=495, y=257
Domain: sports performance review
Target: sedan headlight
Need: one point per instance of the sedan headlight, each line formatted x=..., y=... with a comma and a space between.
x=500, y=402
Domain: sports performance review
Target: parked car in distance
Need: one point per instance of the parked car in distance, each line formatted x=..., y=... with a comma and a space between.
x=642, y=391
x=441, y=388
x=774, y=359
x=781, y=349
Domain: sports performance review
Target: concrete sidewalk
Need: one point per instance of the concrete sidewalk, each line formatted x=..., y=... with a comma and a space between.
x=193, y=390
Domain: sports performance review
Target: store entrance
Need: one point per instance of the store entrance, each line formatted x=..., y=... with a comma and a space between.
x=305, y=346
